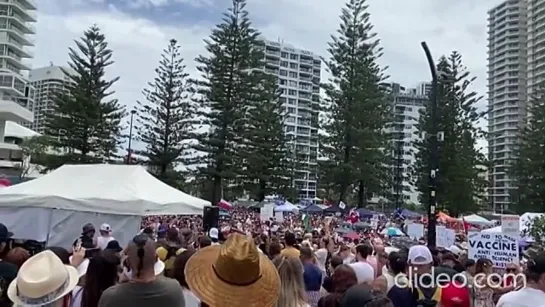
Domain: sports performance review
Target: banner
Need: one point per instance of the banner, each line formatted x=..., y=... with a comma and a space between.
x=415, y=230
x=444, y=237
x=510, y=224
x=501, y=249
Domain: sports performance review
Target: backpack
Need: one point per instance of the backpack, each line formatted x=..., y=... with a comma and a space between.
x=423, y=300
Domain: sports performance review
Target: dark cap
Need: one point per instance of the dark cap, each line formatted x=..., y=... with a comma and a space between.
x=358, y=295
x=4, y=233
x=536, y=264
x=87, y=228
x=449, y=256
x=114, y=246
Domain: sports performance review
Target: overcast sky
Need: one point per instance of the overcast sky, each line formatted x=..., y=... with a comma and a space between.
x=138, y=30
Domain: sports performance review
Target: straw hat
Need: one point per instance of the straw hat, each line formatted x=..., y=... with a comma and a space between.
x=233, y=274
x=41, y=280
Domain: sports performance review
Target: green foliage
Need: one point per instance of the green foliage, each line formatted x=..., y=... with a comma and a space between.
x=166, y=119
x=357, y=108
x=85, y=123
x=459, y=184
x=229, y=75
x=536, y=229
x=528, y=167
x=264, y=152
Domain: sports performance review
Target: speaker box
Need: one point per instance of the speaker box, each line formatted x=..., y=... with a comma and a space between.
x=210, y=217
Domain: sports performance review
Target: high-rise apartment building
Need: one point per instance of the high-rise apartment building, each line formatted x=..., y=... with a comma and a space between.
x=16, y=96
x=407, y=104
x=48, y=81
x=511, y=71
x=298, y=74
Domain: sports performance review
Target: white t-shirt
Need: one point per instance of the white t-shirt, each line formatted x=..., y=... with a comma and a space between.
x=525, y=297
x=102, y=242
x=364, y=272
x=76, y=296
x=190, y=299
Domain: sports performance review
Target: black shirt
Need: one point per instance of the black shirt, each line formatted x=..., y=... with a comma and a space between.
x=8, y=272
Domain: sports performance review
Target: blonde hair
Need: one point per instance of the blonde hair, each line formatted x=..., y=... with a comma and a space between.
x=292, y=290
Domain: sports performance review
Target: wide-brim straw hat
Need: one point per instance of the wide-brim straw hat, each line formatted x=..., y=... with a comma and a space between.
x=233, y=274
x=41, y=280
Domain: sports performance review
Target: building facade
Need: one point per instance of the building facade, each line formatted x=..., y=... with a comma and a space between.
x=510, y=66
x=16, y=95
x=407, y=104
x=48, y=81
x=298, y=73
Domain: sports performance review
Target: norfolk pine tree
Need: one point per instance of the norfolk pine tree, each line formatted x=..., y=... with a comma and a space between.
x=528, y=166
x=85, y=123
x=166, y=120
x=265, y=152
x=225, y=90
x=458, y=182
x=357, y=106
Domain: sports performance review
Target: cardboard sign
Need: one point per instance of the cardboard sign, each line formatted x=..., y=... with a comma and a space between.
x=510, y=224
x=502, y=249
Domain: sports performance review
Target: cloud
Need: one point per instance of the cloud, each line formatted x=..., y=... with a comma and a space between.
x=138, y=30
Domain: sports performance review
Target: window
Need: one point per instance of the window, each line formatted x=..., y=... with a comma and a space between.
x=294, y=56
x=283, y=72
x=284, y=55
x=292, y=101
x=282, y=82
x=294, y=66
x=284, y=64
x=291, y=110
x=292, y=92
x=293, y=74
x=293, y=83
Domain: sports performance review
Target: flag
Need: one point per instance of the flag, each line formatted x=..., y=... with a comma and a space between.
x=306, y=222
x=225, y=205
x=342, y=205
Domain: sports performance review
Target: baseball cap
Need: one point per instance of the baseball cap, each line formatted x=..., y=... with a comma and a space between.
x=114, y=245
x=105, y=227
x=87, y=228
x=455, y=250
x=213, y=233
x=420, y=254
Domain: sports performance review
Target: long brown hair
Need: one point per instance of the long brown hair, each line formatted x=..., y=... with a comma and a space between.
x=101, y=275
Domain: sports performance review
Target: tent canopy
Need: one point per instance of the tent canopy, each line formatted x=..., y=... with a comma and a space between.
x=286, y=207
x=313, y=209
x=102, y=188
x=476, y=219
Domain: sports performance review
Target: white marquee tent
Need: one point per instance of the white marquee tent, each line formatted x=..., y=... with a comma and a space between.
x=54, y=207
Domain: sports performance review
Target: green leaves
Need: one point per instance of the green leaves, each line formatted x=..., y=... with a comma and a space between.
x=357, y=107
x=460, y=186
x=528, y=165
x=166, y=120
x=85, y=124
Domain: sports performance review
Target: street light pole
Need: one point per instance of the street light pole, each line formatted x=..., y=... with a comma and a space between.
x=129, y=149
x=434, y=150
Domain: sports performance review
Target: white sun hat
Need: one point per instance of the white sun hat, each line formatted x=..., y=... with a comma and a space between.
x=41, y=280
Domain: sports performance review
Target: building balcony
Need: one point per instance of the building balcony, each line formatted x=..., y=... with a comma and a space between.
x=18, y=35
x=19, y=8
x=17, y=48
x=12, y=111
x=19, y=22
x=29, y=4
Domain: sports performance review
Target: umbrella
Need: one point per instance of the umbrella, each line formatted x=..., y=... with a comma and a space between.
x=392, y=232
x=342, y=230
x=351, y=235
x=361, y=225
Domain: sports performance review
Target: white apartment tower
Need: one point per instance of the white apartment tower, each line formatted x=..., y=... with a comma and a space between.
x=298, y=74
x=509, y=66
x=47, y=81
x=407, y=104
x=16, y=96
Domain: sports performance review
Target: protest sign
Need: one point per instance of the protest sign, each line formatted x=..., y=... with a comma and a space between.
x=267, y=212
x=415, y=230
x=444, y=237
x=502, y=249
x=510, y=224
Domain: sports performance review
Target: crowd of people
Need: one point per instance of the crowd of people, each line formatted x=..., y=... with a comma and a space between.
x=247, y=261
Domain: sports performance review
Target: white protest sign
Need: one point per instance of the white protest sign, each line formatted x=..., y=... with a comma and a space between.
x=415, y=230
x=444, y=237
x=501, y=249
x=279, y=216
x=266, y=212
x=510, y=224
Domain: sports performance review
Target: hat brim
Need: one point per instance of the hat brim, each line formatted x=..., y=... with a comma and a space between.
x=72, y=283
x=210, y=289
